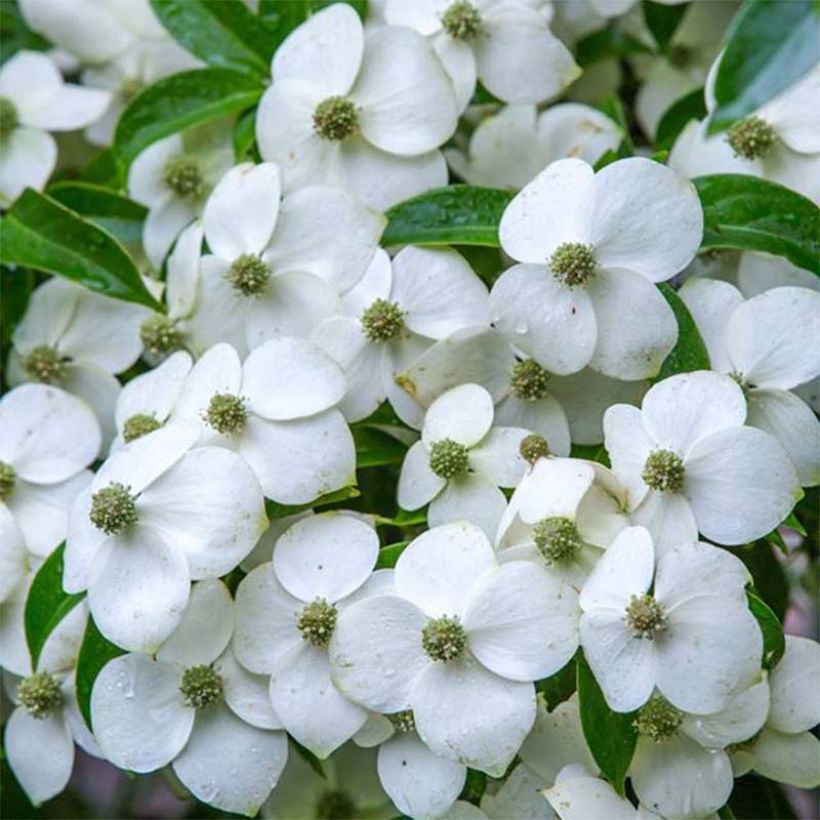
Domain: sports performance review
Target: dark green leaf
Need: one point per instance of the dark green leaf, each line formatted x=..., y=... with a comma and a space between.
x=43, y=234
x=483, y=97
x=769, y=46
x=774, y=642
x=286, y=15
x=179, y=101
x=276, y=510
x=390, y=554
x=223, y=33
x=15, y=286
x=689, y=352
x=244, y=137
x=474, y=787
x=47, y=604
x=309, y=758
x=558, y=687
x=404, y=518
x=455, y=215
x=754, y=797
x=674, y=120
x=95, y=652
x=611, y=737
x=375, y=447
x=663, y=20
x=748, y=213
x=776, y=540
x=613, y=107
x=591, y=452
x=767, y=573
x=104, y=170
x=796, y=524
x=607, y=44
x=488, y=263
x=726, y=813
x=607, y=158
x=15, y=34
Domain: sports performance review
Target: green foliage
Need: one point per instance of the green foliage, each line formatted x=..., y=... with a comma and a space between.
x=689, y=352
x=276, y=510
x=375, y=447
x=674, y=120
x=389, y=555
x=774, y=642
x=607, y=44
x=558, y=687
x=663, y=20
x=95, y=652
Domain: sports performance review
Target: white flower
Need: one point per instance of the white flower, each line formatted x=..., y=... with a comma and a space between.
x=193, y=706
x=692, y=636
x=287, y=611
x=769, y=344
x=592, y=247
x=33, y=101
x=690, y=465
x=275, y=269
x=459, y=643
x=759, y=272
x=392, y=316
x=157, y=515
x=277, y=410
x=365, y=112
x=461, y=461
x=47, y=439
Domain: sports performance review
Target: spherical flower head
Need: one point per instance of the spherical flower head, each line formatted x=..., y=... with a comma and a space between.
x=44, y=364
x=113, y=509
x=444, y=638
x=8, y=477
x=448, y=458
x=336, y=118
x=572, y=263
x=139, y=425
x=645, y=616
x=316, y=622
x=201, y=686
x=249, y=275
x=663, y=471
x=226, y=413
x=533, y=447
x=557, y=539
x=40, y=694
x=9, y=119
x=403, y=721
x=159, y=334
x=751, y=138
x=184, y=177
x=658, y=720
x=529, y=380
x=382, y=321
x=462, y=21
x=336, y=804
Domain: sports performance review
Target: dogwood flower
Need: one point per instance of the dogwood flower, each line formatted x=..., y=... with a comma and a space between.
x=391, y=316
x=458, y=643
x=194, y=707
x=690, y=465
x=364, y=112
x=692, y=636
x=33, y=101
x=461, y=461
x=591, y=247
x=157, y=515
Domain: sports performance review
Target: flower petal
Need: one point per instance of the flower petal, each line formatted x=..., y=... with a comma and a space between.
x=472, y=497
x=246, y=694
x=463, y=414
x=787, y=758
x=418, y=484
x=29, y=157
x=795, y=707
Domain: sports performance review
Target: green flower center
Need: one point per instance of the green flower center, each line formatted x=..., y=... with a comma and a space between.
x=658, y=720
x=139, y=425
x=40, y=694
x=44, y=364
x=249, y=275
x=557, y=539
x=201, y=686
x=529, y=380
x=645, y=616
x=336, y=119
x=9, y=118
x=403, y=721
x=113, y=509
x=382, y=321
x=335, y=805
x=8, y=478
x=664, y=471
x=448, y=458
x=572, y=263
x=316, y=622
x=751, y=138
x=226, y=413
x=462, y=21
x=444, y=638
x=183, y=176
x=533, y=447
x=159, y=335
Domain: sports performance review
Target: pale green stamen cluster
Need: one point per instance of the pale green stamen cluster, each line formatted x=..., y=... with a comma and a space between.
x=658, y=720
x=183, y=176
x=448, y=458
x=316, y=622
x=159, y=335
x=9, y=118
x=751, y=138
x=249, y=275
x=533, y=447
x=462, y=21
x=8, y=478
x=444, y=638
x=201, y=686
x=663, y=471
x=403, y=721
x=40, y=694
x=572, y=263
x=645, y=616
x=139, y=425
x=336, y=119
x=226, y=413
x=382, y=321
x=557, y=540
x=529, y=380
x=113, y=509
x=44, y=364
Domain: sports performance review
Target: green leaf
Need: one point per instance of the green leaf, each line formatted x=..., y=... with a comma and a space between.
x=375, y=447
x=558, y=687
x=774, y=642
x=223, y=33
x=591, y=452
x=755, y=797
x=310, y=759
x=796, y=524
x=15, y=286
x=47, y=603
x=276, y=510
x=663, y=20
x=607, y=44
x=613, y=107
x=390, y=554
x=770, y=581
x=43, y=234
x=474, y=787
x=752, y=214
x=769, y=46
x=95, y=652
x=179, y=101
x=15, y=34
x=455, y=215
x=689, y=352
x=726, y=813
x=611, y=737
x=104, y=170
x=675, y=118
x=244, y=137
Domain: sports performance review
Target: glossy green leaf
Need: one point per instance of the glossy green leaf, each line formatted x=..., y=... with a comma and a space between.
x=591, y=452
x=558, y=687
x=390, y=554
x=95, y=652
x=663, y=20
x=244, y=137
x=609, y=43
x=47, y=603
x=768, y=47
x=180, y=101
x=689, y=352
x=749, y=213
x=223, y=33
x=375, y=447
x=611, y=737
x=769, y=579
x=674, y=120
x=16, y=286
x=40, y=233
x=456, y=215
x=774, y=642
x=276, y=510
x=104, y=170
